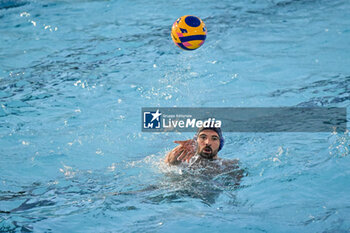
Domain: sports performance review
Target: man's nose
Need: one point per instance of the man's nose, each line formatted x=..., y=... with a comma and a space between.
x=207, y=141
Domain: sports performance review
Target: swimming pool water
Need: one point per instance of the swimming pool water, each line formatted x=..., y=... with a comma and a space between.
x=74, y=76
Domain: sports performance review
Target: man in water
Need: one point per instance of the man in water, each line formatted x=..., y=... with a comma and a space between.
x=200, y=156
x=202, y=151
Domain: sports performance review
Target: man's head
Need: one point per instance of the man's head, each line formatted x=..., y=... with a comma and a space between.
x=209, y=142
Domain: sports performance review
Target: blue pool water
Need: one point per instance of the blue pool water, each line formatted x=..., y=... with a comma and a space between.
x=74, y=76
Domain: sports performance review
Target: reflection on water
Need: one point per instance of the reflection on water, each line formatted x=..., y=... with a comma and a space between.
x=205, y=184
x=6, y=4
x=332, y=91
x=82, y=191
x=74, y=75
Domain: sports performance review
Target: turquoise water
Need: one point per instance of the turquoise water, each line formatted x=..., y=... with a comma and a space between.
x=74, y=76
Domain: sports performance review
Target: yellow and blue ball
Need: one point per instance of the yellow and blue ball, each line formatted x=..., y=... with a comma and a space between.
x=188, y=32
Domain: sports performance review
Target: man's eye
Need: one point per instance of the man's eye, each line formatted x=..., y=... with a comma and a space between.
x=215, y=138
x=202, y=137
x=183, y=30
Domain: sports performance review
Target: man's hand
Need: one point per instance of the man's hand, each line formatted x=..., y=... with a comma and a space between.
x=183, y=152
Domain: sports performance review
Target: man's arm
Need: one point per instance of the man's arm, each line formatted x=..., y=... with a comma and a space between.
x=183, y=152
x=172, y=157
x=233, y=169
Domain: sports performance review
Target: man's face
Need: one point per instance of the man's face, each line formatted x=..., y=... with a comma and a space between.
x=208, y=144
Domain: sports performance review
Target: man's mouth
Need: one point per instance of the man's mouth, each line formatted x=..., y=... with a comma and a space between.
x=207, y=150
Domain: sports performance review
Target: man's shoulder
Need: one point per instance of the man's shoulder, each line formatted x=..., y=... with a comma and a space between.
x=229, y=162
